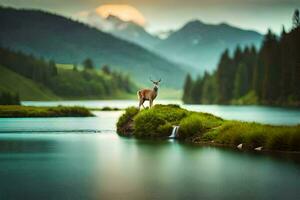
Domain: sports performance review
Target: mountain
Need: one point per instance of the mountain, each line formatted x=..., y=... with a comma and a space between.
x=200, y=45
x=66, y=41
x=126, y=30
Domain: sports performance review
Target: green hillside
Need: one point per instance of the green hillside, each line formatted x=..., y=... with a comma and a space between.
x=27, y=89
x=66, y=41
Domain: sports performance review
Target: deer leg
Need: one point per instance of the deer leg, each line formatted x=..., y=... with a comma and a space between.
x=141, y=103
x=150, y=103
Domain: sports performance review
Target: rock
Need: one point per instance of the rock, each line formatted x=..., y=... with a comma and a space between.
x=240, y=146
x=258, y=148
x=126, y=129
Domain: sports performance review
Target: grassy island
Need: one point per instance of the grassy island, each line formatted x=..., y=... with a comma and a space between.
x=33, y=111
x=204, y=128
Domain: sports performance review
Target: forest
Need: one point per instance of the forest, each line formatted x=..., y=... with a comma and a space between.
x=268, y=76
x=83, y=81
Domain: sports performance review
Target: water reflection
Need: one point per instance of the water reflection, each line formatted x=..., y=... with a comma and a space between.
x=101, y=165
x=104, y=166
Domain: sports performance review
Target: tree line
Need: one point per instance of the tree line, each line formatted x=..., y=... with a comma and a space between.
x=28, y=66
x=7, y=98
x=77, y=83
x=270, y=75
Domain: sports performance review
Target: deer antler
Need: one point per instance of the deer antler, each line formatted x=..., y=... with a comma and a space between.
x=151, y=80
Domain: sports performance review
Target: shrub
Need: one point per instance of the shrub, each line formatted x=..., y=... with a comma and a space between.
x=149, y=124
x=165, y=130
x=208, y=120
x=190, y=126
x=158, y=121
x=7, y=98
x=171, y=113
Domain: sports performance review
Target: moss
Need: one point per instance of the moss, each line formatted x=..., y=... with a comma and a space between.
x=149, y=124
x=158, y=121
x=204, y=127
x=190, y=126
x=166, y=129
x=32, y=111
x=253, y=135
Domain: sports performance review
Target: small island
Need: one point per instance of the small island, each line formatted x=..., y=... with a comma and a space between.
x=205, y=128
x=34, y=111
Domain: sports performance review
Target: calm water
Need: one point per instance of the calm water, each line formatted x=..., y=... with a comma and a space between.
x=83, y=158
x=262, y=114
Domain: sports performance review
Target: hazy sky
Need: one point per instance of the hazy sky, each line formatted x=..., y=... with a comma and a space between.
x=172, y=14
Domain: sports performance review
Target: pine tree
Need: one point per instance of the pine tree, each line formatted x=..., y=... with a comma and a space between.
x=75, y=68
x=188, y=84
x=296, y=19
x=241, y=81
x=53, y=68
x=88, y=64
x=196, y=91
x=272, y=72
x=225, y=78
x=106, y=69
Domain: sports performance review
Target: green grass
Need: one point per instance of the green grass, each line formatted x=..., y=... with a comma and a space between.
x=158, y=121
x=65, y=66
x=206, y=128
x=32, y=111
x=253, y=135
x=190, y=126
x=26, y=88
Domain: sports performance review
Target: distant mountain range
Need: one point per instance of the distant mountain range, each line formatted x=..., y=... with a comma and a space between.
x=200, y=45
x=66, y=41
x=124, y=46
x=129, y=31
x=196, y=44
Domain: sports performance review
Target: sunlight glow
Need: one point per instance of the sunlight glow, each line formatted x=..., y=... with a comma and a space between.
x=124, y=12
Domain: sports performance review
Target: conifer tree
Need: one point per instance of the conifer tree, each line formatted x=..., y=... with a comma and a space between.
x=188, y=84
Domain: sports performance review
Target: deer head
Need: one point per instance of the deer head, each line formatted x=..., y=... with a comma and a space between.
x=155, y=83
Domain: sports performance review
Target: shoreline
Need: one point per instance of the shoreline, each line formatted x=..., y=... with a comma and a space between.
x=213, y=144
x=206, y=129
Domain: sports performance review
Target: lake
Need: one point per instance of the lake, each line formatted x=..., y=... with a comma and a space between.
x=262, y=114
x=83, y=158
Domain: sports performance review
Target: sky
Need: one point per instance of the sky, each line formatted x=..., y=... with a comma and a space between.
x=163, y=15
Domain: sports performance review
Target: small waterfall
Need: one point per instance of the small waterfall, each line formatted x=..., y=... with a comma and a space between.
x=174, y=132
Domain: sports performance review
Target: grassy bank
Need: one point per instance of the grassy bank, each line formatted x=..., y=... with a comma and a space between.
x=33, y=111
x=197, y=127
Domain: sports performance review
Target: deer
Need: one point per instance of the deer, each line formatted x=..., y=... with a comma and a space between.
x=148, y=94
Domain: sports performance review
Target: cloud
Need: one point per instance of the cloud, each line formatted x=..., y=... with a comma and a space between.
x=110, y=17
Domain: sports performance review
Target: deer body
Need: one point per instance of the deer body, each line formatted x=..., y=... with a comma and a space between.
x=148, y=94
